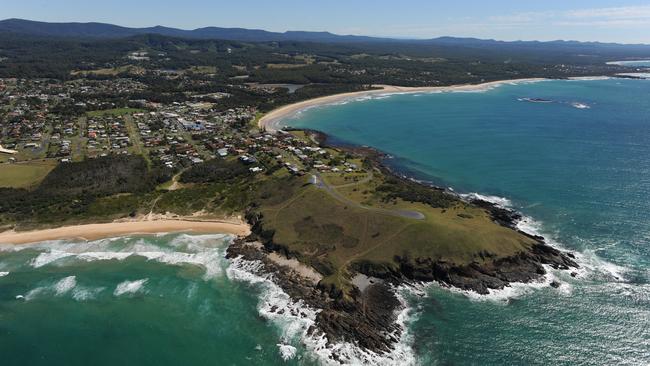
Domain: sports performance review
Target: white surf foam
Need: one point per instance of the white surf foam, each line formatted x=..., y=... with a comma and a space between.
x=499, y=201
x=579, y=105
x=589, y=78
x=590, y=264
x=287, y=352
x=102, y=256
x=129, y=287
x=2, y=274
x=204, y=251
x=81, y=293
x=65, y=285
x=32, y=294
x=294, y=318
x=60, y=288
x=49, y=257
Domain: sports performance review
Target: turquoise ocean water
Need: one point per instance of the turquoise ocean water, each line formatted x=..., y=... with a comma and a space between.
x=577, y=165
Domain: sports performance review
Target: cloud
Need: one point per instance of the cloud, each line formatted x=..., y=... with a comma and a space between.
x=615, y=17
x=603, y=24
x=614, y=13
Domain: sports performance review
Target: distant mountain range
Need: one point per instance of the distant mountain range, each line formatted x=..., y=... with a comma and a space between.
x=103, y=30
x=108, y=31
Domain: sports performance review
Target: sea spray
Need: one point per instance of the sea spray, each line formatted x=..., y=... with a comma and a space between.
x=295, y=318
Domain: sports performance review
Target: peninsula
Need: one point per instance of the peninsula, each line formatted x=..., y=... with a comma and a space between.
x=156, y=134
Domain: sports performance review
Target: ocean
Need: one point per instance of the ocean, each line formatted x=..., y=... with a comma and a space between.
x=572, y=156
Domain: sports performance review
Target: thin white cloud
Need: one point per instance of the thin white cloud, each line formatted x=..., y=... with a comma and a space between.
x=575, y=23
x=615, y=17
x=617, y=13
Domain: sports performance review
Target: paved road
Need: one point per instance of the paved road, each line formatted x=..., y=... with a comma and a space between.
x=318, y=181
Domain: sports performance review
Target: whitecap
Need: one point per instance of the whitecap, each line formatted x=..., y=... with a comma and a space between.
x=287, y=352
x=579, y=105
x=80, y=293
x=64, y=285
x=499, y=201
x=2, y=274
x=103, y=256
x=130, y=287
x=32, y=294
x=49, y=257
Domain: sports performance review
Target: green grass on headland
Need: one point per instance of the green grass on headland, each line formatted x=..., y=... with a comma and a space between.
x=332, y=235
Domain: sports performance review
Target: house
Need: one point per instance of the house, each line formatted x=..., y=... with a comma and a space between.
x=7, y=151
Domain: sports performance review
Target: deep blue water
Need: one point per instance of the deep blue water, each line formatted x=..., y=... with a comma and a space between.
x=577, y=165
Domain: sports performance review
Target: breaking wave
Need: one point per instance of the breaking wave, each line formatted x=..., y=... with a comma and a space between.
x=591, y=265
x=130, y=287
x=294, y=318
x=65, y=285
x=205, y=251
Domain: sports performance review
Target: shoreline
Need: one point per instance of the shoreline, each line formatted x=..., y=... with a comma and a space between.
x=270, y=121
x=115, y=229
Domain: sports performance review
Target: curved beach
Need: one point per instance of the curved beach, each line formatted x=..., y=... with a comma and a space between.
x=271, y=122
x=113, y=229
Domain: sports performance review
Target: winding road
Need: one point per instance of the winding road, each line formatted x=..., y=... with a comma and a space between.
x=318, y=181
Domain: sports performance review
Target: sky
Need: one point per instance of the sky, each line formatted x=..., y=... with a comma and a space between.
x=583, y=20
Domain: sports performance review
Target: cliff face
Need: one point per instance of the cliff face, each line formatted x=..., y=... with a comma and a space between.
x=368, y=318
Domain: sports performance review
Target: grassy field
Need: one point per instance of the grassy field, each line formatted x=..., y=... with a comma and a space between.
x=332, y=235
x=114, y=112
x=24, y=175
x=203, y=69
x=131, y=69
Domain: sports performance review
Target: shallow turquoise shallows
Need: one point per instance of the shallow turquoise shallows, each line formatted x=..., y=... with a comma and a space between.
x=572, y=155
x=156, y=300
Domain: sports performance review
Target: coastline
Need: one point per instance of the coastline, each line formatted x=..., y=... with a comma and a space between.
x=270, y=121
x=113, y=229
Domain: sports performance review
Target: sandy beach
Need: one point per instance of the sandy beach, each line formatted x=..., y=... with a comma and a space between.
x=113, y=229
x=272, y=121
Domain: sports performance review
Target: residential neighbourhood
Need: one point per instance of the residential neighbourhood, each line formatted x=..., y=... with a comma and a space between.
x=61, y=122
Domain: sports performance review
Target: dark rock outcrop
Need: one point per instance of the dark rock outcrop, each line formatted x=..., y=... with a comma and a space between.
x=367, y=319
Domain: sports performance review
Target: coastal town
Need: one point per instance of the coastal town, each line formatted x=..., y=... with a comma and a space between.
x=50, y=122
